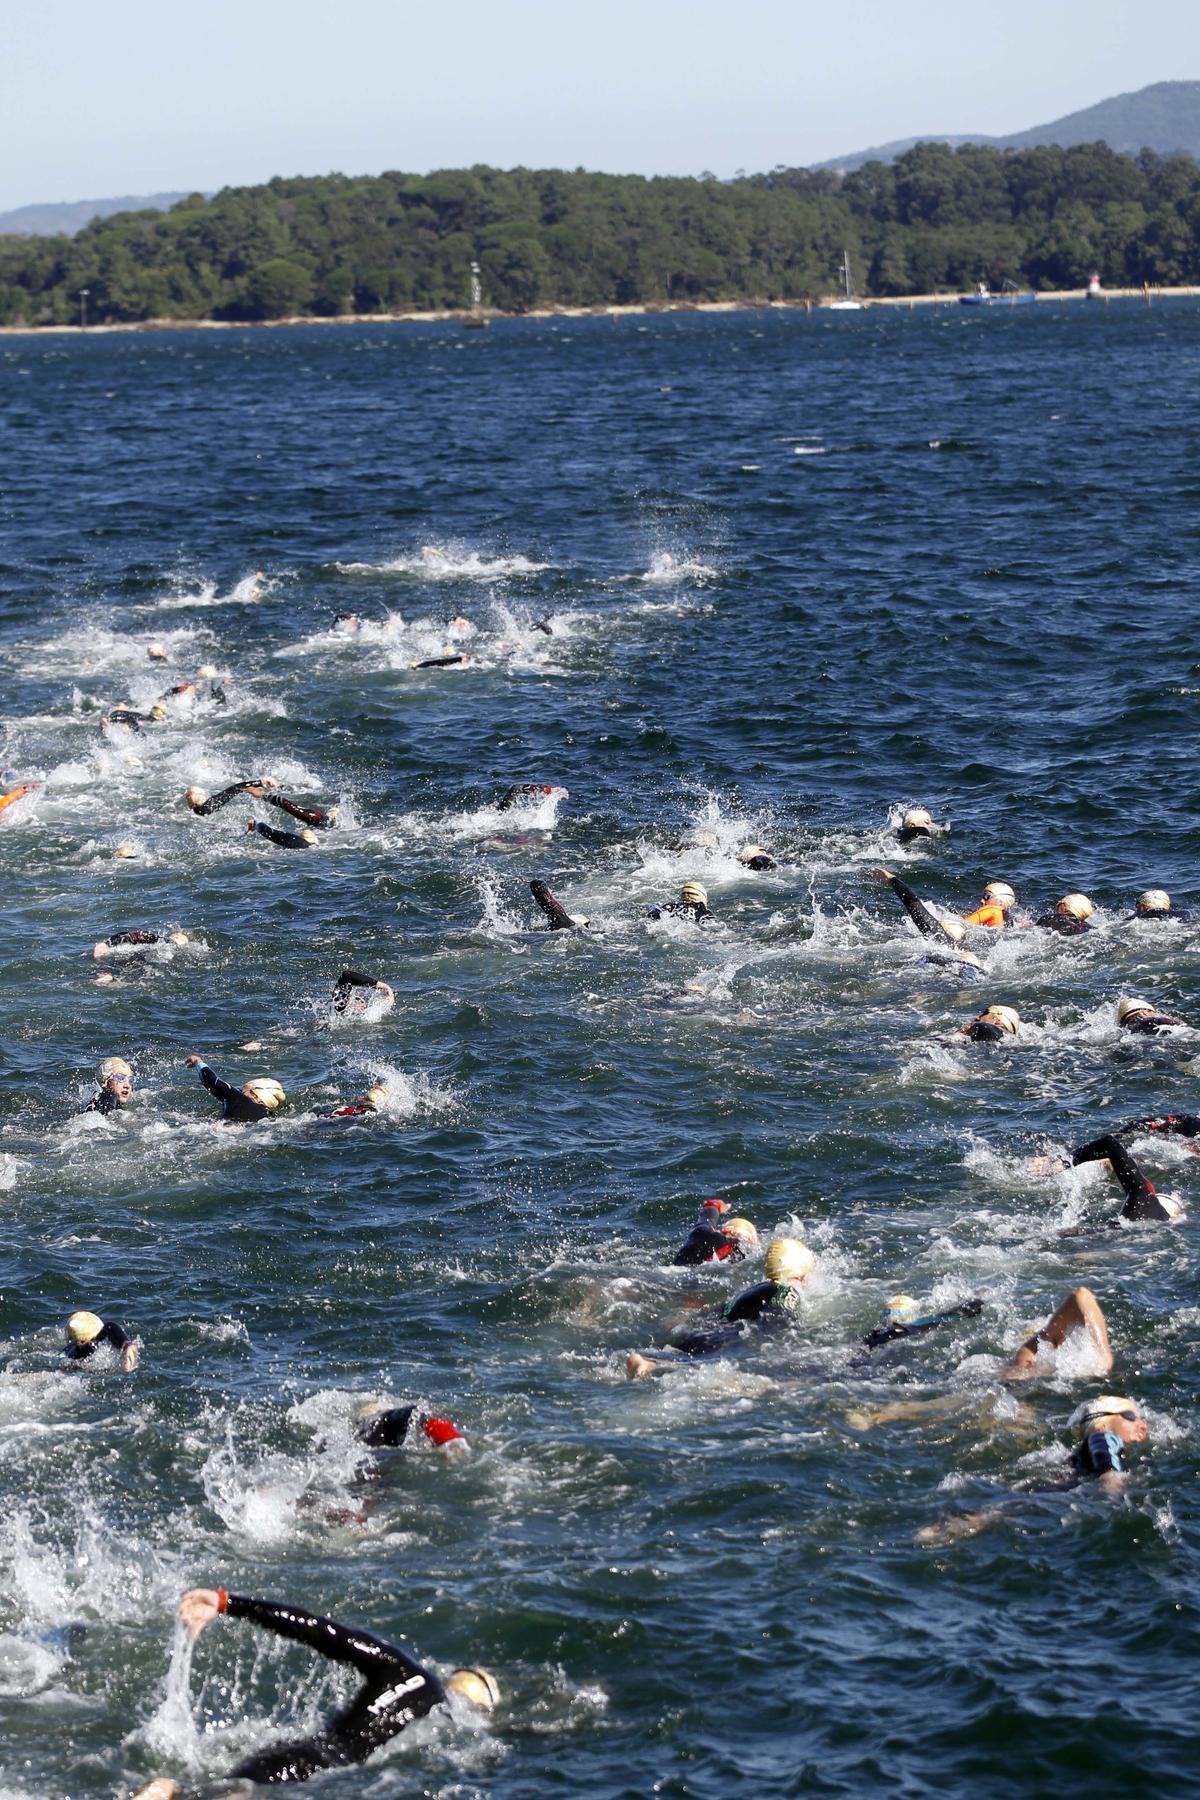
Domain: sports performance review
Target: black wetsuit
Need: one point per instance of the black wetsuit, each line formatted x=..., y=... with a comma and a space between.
x=906, y=834
x=560, y=919
x=215, y=802
x=289, y=840
x=1141, y=1198
x=133, y=937
x=344, y=989
x=353, y=1109
x=768, y=1303
x=441, y=662
x=110, y=1336
x=544, y=625
x=679, y=909
x=1101, y=1453
x=1169, y=1124
x=125, y=715
x=706, y=1242
x=518, y=791
x=982, y=1031
x=388, y=1430
x=758, y=863
x=238, y=1107
x=887, y=1334
x=395, y=1691
x=308, y=815
x=104, y=1101
x=926, y=922
x=1149, y=1024
x=1066, y=924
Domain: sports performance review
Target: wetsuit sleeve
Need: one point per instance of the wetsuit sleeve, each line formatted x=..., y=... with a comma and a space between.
x=980, y=1032
x=510, y=799
x=113, y=1334
x=132, y=937
x=1141, y=1199
x=751, y=1303
x=215, y=802
x=308, y=815
x=288, y=839
x=352, y=978
x=220, y=1090
x=704, y=1245
x=338, y=1643
x=886, y=1334
x=560, y=919
x=386, y=1430
x=103, y=1102
x=918, y=912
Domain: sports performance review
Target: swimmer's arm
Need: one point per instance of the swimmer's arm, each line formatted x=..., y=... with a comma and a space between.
x=1141, y=1199
x=220, y=1090
x=918, y=912
x=354, y=978
x=338, y=1643
x=308, y=815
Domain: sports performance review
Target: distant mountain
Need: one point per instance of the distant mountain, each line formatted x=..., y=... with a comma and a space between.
x=70, y=216
x=1164, y=117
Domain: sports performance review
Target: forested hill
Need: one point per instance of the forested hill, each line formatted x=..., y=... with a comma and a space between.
x=936, y=219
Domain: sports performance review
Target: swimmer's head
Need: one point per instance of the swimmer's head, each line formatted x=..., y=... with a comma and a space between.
x=477, y=1686
x=1001, y=893
x=125, y=851
x=714, y=1208
x=377, y=1096
x=1153, y=903
x=156, y=653
x=266, y=1090
x=916, y=819
x=788, y=1261
x=195, y=796
x=1006, y=1017
x=101, y=949
x=178, y=937
x=1075, y=906
x=694, y=893
x=742, y=1230
x=1131, y=1008
x=309, y=835
x=207, y=672
x=899, y=1309
x=1110, y=1412
x=84, y=1327
x=105, y=979
x=705, y=840
x=158, y=712
x=755, y=857
x=115, y=1073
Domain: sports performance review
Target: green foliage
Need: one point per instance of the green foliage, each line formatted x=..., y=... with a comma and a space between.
x=937, y=219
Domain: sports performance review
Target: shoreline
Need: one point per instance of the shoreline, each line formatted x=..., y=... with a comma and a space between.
x=644, y=309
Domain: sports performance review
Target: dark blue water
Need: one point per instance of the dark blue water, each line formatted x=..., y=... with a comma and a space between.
x=801, y=573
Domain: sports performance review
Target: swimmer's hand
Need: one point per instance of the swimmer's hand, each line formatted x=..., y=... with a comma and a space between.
x=199, y=1607
x=884, y=876
x=193, y=1062
x=1046, y=1165
x=130, y=1357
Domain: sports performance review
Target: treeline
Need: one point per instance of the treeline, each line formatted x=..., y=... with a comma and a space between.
x=936, y=219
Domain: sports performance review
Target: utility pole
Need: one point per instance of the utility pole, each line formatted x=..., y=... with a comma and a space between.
x=83, y=300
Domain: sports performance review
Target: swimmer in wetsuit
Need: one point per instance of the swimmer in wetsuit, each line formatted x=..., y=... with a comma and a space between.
x=135, y=940
x=1155, y=903
x=441, y=662
x=524, y=790
x=715, y=1237
x=692, y=904
x=396, y=1689
x=916, y=824
x=254, y=1100
x=129, y=716
x=373, y=1101
x=1140, y=1017
x=206, y=804
x=87, y=1333
x=771, y=1302
x=928, y=923
x=116, y=1086
x=560, y=919
x=1070, y=916
x=287, y=840
x=352, y=990
x=900, y=1319
x=388, y=1427
x=1142, y=1200
x=753, y=856
x=992, y=1025
x=993, y=910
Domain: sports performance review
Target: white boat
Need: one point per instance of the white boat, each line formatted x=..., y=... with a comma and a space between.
x=849, y=303
x=1094, y=290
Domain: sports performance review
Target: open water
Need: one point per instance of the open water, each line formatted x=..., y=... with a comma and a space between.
x=801, y=572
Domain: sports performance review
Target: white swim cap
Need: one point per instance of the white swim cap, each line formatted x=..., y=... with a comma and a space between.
x=1077, y=905
x=917, y=819
x=114, y=1065
x=705, y=839
x=309, y=835
x=377, y=1095
x=195, y=796
x=1000, y=892
x=694, y=893
x=1007, y=1017
x=1154, y=900
x=789, y=1260
x=899, y=1308
x=178, y=937
x=475, y=1685
x=1085, y=1418
x=1129, y=1007
x=84, y=1327
x=125, y=850
x=266, y=1090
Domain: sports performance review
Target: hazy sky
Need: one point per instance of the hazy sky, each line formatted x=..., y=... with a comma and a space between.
x=107, y=97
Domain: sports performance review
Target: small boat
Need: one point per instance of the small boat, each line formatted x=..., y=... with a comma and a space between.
x=1010, y=295
x=476, y=319
x=1094, y=290
x=848, y=303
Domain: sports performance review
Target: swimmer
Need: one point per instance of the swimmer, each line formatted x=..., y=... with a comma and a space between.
x=715, y=1237
x=287, y=840
x=915, y=824
x=350, y=992
x=1142, y=1201
x=692, y=904
x=18, y=793
x=560, y=919
x=347, y=622
x=254, y=1100
x=206, y=804
x=116, y=1086
x=993, y=1024
x=900, y=1319
x=993, y=910
x=1155, y=903
x=788, y=1264
x=756, y=858
x=1139, y=1016
x=387, y=1428
x=319, y=817
x=522, y=790
x=927, y=922
x=373, y=1101
x=120, y=940
x=156, y=653
x=458, y=627
x=544, y=625
x=396, y=1689
x=1070, y=916
x=87, y=1333
x=127, y=715
x=441, y=662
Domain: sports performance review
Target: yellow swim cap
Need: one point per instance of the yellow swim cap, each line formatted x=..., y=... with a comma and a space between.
x=694, y=893
x=266, y=1090
x=1077, y=905
x=195, y=796
x=1130, y=1007
x=1154, y=900
x=917, y=819
x=1007, y=1017
x=740, y=1228
x=1001, y=892
x=477, y=1686
x=309, y=835
x=789, y=1260
x=1087, y=1417
x=752, y=850
x=158, y=711
x=178, y=937
x=114, y=1065
x=900, y=1306
x=82, y=1327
